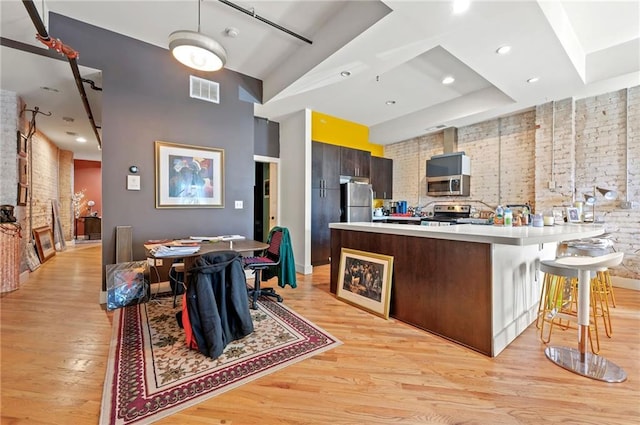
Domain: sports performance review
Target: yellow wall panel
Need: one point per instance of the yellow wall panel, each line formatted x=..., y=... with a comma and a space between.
x=336, y=131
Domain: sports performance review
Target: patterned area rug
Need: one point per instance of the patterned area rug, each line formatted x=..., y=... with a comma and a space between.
x=151, y=373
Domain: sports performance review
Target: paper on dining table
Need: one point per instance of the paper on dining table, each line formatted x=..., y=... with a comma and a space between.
x=172, y=251
x=218, y=238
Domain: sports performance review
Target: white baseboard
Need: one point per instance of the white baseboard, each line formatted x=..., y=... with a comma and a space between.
x=625, y=282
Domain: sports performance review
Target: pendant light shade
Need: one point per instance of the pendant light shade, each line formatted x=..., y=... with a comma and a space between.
x=197, y=50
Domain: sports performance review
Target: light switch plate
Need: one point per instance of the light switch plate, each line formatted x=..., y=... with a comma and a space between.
x=133, y=182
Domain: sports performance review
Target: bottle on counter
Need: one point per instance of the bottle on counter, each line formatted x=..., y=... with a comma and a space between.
x=508, y=217
x=525, y=216
x=498, y=220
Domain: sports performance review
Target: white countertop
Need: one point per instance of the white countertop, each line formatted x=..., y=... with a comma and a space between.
x=525, y=235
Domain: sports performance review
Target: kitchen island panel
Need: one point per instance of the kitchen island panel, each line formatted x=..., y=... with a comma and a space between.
x=441, y=286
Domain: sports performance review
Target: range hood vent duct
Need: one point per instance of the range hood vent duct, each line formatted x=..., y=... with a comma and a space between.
x=450, y=140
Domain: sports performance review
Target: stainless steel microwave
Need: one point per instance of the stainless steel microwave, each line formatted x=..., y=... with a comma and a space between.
x=457, y=185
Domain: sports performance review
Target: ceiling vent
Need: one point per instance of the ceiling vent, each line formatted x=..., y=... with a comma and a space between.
x=202, y=89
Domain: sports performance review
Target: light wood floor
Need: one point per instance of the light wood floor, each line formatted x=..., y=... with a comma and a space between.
x=55, y=341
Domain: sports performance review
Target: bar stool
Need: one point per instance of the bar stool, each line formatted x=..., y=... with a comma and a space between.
x=591, y=247
x=557, y=305
x=580, y=361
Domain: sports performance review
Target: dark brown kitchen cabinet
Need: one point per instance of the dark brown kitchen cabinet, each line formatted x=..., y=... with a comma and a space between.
x=325, y=166
x=382, y=177
x=325, y=209
x=355, y=162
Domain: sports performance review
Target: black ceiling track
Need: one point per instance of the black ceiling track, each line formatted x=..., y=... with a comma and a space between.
x=253, y=14
x=61, y=48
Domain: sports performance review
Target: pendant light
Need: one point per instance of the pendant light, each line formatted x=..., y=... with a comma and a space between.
x=197, y=50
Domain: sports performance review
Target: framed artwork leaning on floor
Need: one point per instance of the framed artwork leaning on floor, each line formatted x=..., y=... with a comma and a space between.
x=364, y=280
x=44, y=243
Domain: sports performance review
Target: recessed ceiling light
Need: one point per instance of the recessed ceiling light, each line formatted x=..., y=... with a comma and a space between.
x=448, y=80
x=345, y=74
x=503, y=50
x=461, y=6
x=81, y=140
x=390, y=102
x=533, y=80
x=67, y=119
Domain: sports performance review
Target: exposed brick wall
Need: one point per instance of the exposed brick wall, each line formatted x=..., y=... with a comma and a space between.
x=65, y=190
x=8, y=147
x=575, y=144
x=50, y=173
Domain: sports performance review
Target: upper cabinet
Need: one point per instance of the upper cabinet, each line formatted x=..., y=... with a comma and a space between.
x=382, y=177
x=325, y=167
x=354, y=162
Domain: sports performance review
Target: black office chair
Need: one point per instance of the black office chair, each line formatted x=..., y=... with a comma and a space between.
x=270, y=258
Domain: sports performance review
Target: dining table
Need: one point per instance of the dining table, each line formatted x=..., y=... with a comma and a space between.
x=243, y=246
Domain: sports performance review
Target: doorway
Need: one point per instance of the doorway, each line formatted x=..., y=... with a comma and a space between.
x=265, y=197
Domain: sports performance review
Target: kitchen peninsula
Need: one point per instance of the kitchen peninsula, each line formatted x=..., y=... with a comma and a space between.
x=476, y=285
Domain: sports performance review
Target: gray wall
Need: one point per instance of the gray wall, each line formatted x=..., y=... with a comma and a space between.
x=267, y=137
x=145, y=98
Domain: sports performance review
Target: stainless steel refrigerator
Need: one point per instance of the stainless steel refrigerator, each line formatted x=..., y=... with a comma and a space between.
x=356, y=202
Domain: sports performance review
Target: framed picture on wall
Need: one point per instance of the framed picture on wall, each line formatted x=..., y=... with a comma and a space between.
x=189, y=176
x=22, y=194
x=364, y=280
x=22, y=145
x=44, y=243
x=23, y=171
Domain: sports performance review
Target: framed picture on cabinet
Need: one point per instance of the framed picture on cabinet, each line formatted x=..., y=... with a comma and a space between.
x=364, y=280
x=44, y=243
x=189, y=176
x=23, y=191
x=22, y=145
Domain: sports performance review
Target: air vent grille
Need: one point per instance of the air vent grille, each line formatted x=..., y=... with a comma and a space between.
x=202, y=89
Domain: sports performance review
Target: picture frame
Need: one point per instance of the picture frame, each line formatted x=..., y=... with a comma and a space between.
x=558, y=216
x=573, y=215
x=189, y=176
x=44, y=243
x=23, y=170
x=23, y=194
x=22, y=145
x=364, y=280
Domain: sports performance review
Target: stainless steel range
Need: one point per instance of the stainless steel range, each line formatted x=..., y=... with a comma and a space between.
x=448, y=214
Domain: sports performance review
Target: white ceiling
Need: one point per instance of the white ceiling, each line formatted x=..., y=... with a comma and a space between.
x=395, y=51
